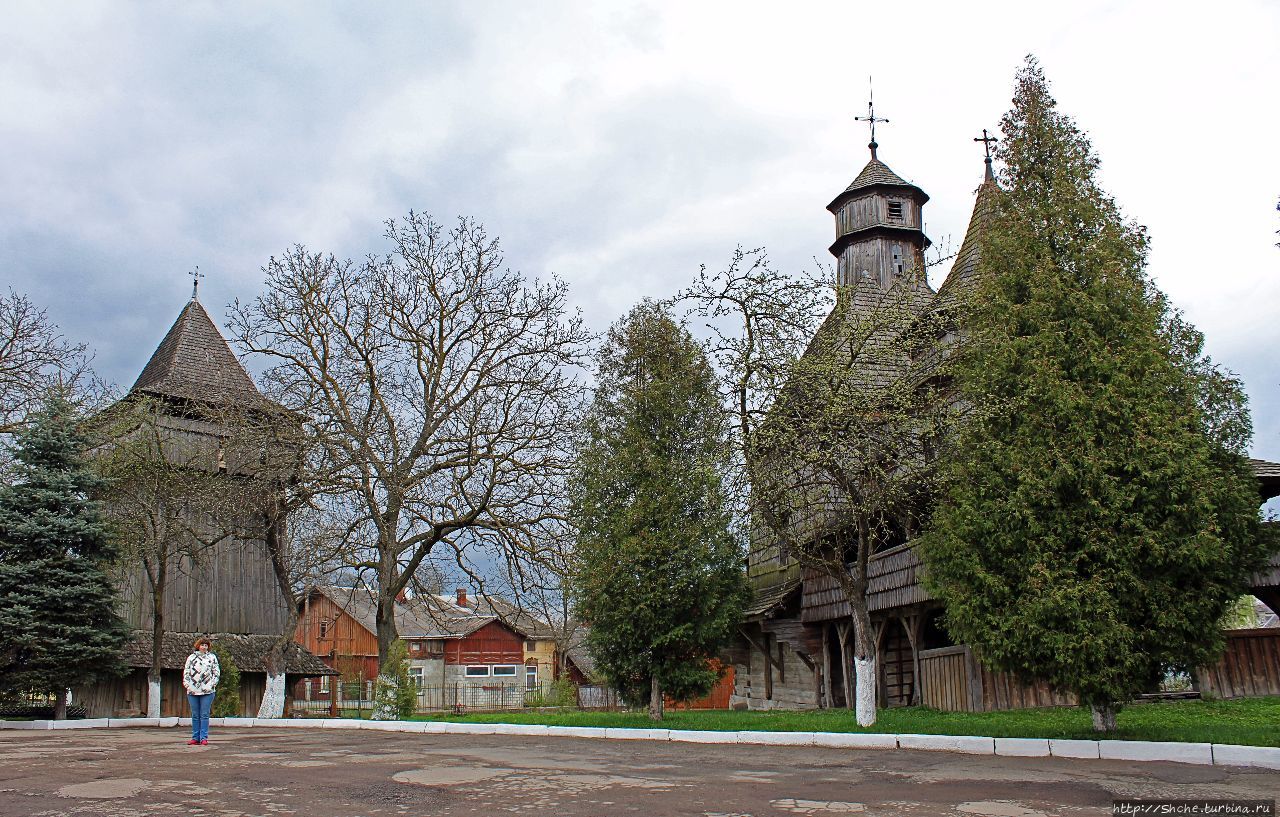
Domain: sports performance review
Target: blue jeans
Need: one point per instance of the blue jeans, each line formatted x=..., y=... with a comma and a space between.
x=200, y=706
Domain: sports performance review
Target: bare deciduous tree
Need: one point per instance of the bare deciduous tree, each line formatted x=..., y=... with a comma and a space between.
x=34, y=357
x=843, y=459
x=438, y=391
x=759, y=321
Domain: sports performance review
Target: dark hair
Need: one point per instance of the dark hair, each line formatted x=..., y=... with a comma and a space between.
x=204, y=639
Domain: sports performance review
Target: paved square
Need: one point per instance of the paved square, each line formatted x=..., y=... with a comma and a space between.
x=351, y=773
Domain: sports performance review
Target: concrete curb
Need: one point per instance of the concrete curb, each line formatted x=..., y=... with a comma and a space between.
x=1200, y=754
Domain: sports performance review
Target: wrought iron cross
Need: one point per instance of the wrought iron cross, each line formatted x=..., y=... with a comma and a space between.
x=196, y=275
x=871, y=119
x=987, y=141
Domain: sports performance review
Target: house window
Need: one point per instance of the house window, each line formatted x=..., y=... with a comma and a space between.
x=530, y=646
x=324, y=628
x=895, y=211
x=435, y=648
x=508, y=672
x=415, y=647
x=415, y=675
x=476, y=672
x=531, y=676
x=324, y=684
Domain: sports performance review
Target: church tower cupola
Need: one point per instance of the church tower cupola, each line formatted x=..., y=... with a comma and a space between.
x=879, y=225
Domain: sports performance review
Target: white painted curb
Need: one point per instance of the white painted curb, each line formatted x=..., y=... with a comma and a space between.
x=1198, y=753
x=577, y=731
x=1202, y=754
x=1022, y=747
x=1078, y=749
x=949, y=743
x=854, y=740
x=637, y=734
x=776, y=738
x=1265, y=757
x=702, y=736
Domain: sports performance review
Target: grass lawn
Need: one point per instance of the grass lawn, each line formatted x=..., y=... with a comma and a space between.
x=1245, y=721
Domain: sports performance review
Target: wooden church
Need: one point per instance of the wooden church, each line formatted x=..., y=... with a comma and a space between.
x=181, y=409
x=788, y=655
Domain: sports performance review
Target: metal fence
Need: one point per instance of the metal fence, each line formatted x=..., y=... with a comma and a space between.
x=355, y=699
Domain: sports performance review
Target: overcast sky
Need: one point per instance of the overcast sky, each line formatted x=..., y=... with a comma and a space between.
x=616, y=145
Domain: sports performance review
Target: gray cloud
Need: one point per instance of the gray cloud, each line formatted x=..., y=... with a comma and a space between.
x=618, y=147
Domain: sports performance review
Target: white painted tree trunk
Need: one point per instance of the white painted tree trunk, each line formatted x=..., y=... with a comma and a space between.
x=272, y=705
x=384, y=703
x=865, y=675
x=153, y=697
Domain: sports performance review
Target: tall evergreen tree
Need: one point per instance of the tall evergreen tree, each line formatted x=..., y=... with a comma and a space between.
x=658, y=575
x=58, y=621
x=1100, y=515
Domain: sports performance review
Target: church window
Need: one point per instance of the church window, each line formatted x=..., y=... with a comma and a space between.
x=895, y=211
x=897, y=259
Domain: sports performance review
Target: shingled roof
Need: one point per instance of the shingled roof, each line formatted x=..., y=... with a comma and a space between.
x=194, y=362
x=963, y=278
x=875, y=173
x=249, y=652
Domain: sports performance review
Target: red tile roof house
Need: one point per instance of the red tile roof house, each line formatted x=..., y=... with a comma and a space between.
x=458, y=657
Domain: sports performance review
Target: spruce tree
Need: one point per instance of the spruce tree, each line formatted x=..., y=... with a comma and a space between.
x=58, y=620
x=658, y=576
x=1100, y=515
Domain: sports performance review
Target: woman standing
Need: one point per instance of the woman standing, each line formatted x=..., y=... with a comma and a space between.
x=200, y=677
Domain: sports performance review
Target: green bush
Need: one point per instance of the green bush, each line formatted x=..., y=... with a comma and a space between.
x=226, y=699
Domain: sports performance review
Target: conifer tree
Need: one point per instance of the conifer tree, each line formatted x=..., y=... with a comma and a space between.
x=658, y=576
x=226, y=699
x=58, y=620
x=1100, y=515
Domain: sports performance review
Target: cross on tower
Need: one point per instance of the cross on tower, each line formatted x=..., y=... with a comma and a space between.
x=196, y=275
x=871, y=119
x=987, y=141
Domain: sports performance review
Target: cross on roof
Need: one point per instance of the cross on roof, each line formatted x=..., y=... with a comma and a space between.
x=196, y=275
x=871, y=119
x=987, y=141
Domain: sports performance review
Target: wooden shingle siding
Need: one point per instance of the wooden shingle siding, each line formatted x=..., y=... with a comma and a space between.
x=893, y=580
x=1250, y=666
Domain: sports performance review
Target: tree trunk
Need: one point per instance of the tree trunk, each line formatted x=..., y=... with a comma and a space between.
x=60, y=705
x=384, y=709
x=158, y=582
x=864, y=658
x=1104, y=717
x=655, y=698
x=273, y=697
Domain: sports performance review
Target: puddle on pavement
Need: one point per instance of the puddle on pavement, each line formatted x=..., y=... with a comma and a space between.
x=108, y=789
x=998, y=808
x=447, y=775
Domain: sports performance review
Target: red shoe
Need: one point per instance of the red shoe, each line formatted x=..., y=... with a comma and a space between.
x=204, y=743
x=193, y=742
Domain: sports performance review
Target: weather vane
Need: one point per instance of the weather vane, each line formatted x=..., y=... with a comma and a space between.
x=987, y=141
x=196, y=275
x=871, y=118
